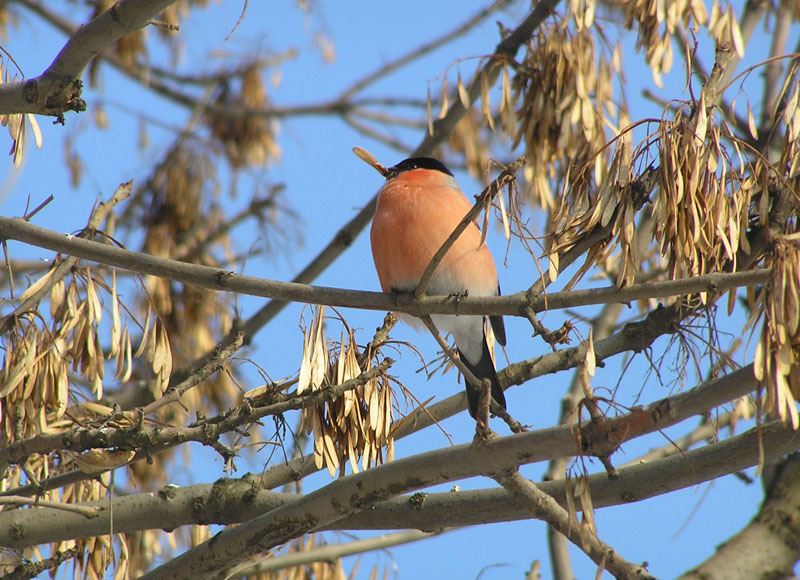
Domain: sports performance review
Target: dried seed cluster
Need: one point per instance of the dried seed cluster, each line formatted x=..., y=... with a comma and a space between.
x=777, y=358
x=707, y=191
x=41, y=375
x=180, y=214
x=38, y=361
x=180, y=221
x=564, y=91
x=356, y=425
x=656, y=23
x=17, y=128
x=249, y=140
x=702, y=209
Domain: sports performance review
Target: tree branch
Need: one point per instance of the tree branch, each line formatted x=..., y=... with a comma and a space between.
x=99, y=215
x=557, y=543
x=328, y=553
x=85, y=511
x=544, y=507
x=768, y=546
x=360, y=491
x=218, y=279
x=34, y=569
x=206, y=431
x=232, y=501
x=57, y=90
x=390, y=67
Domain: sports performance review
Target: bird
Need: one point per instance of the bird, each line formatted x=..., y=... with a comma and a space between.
x=418, y=208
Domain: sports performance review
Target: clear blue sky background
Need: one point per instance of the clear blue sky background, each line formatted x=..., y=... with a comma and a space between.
x=326, y=184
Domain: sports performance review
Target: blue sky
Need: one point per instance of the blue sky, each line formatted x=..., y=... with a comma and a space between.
x=326, y=184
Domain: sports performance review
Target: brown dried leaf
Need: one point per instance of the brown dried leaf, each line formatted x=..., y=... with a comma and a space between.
x=590, y=360
x=736, y=34
x=37, y=131
x=100, y=460
x=36, y=286
x=751, y=123
x=463, y=94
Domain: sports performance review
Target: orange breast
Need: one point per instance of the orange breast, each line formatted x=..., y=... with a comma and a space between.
x=417, y=211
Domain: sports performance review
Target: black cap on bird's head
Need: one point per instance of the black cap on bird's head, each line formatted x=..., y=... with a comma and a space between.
x=418, y=163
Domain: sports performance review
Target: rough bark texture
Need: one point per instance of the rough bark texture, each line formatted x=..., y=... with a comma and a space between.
x=769, y=546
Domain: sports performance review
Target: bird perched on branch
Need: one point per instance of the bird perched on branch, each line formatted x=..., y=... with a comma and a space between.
x=418, y=208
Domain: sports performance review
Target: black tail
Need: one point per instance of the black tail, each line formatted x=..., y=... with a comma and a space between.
x=483, y=370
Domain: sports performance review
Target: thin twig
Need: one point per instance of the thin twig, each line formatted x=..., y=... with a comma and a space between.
x=387, y=68
x=8, y=269
x=206, y=431
x=199, y=237
x=707, y=430
x=367, y=131
x=238, y=22
x=329, y=553
x=86, y=511
x=29, y=214
x=217, y=363
x=468, y=375
x=34, y=569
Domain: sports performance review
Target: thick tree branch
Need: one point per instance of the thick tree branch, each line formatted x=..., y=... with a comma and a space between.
x=635, y=483
x=57, y=90
x=769, y=546
x=363, y=490
x=230, y=501
x=544, y=507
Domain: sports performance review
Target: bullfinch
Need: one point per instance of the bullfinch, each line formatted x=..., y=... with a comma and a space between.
x=418, y=208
